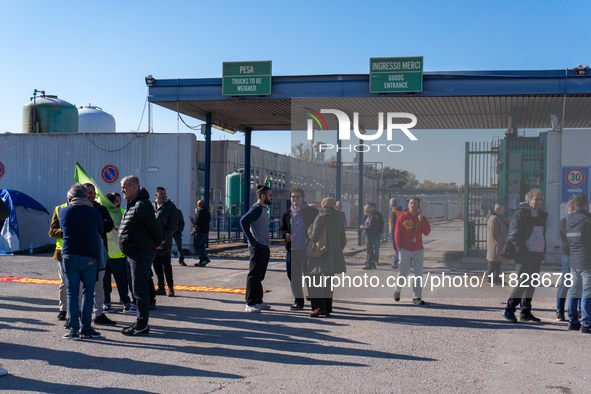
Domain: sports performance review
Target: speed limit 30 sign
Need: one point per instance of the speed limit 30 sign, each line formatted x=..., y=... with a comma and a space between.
x=575, y=181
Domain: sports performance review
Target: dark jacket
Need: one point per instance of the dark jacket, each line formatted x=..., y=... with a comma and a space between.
x=108, y=224
x=578, y=232
x=139, y=228
x=167, y=216
x=522, y=225
x=370, y=225
x=201, y=222
x=332, y=261
x=308, y=213
x=181, y=226
x=80, y=226
x=379, y=222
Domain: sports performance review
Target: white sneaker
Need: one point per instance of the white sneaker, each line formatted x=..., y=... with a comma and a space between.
x=252, y=309
x=3, y=371
x=264, y=307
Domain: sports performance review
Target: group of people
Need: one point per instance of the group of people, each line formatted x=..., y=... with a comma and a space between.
x=92, y=244
x=314, y=241
x=524, y=241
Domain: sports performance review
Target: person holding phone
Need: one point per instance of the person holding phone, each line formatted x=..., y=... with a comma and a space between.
x=408, y=233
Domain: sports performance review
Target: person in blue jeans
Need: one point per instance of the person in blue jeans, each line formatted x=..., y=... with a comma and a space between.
x=82, y=226
x=578, y=233
x=201, y=233
x=562, y=288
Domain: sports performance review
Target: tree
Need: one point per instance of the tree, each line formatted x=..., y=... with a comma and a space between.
x=399, y=178
x=302, y=151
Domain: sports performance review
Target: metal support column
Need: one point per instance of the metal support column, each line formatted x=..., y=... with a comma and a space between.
x=339, y=168
x=361, y=197
x=207, y=183
x=466, y=200
x=247, y=147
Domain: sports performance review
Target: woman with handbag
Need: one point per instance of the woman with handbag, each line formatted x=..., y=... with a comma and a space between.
x=327, y=241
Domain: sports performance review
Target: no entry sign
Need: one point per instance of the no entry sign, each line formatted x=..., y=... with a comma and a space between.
x=575, y=181
x=110, y=173
x=1, y=169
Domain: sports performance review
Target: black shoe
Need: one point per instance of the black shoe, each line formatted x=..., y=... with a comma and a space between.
x=71, y=335
x=367, y=267
x=90, y=333
x=576, y=326
x=135, y=330
x=62, y=315
x=296, y=307
x=418, y=301
x=585, y=329
x=103, y=319
x=510, y=316
x=396, y=296
x=529, y=317
x=182, y=263
x=160, y=291
x=560, y=315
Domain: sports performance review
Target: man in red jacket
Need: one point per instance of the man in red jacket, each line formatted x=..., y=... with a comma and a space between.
x=408, y=233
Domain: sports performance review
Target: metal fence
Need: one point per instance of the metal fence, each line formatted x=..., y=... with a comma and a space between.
x=481, y=194
x=225, y=228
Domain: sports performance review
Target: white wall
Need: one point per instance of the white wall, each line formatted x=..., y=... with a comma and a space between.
x=43, y=165
x=567, y=148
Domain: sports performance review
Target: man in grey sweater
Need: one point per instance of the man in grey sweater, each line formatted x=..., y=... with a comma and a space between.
x=255, y=224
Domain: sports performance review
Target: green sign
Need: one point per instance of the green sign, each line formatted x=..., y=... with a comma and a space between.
x=395, y=74
x=246, y=78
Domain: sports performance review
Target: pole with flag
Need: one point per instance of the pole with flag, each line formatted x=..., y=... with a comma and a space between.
x=116, y=213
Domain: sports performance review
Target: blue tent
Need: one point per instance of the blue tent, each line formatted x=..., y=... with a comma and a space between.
x=28, y=224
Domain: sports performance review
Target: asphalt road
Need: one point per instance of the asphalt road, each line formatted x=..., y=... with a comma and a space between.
x=204, y=342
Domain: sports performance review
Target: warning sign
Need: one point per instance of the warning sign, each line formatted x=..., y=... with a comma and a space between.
x=575, y=181
x=110, y=173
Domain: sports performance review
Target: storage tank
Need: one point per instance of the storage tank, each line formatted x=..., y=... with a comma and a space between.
x=49, y=114
x=234, y=192
x=92, y=119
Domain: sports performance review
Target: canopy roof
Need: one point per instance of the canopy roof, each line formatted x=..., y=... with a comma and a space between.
x=449, y=100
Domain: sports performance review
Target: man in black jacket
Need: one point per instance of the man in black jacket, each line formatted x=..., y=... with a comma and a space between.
x=295, y=223
x=201, y=233
x=380, y=231
x=108, y=225
x=139, y=235
x=167, y=216
x=527, y=232
x=578, y=232
x=178, y=237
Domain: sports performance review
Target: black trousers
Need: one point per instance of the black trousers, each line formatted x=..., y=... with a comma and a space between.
x=118, y=268
x=163, y=269
x=178, y=240
x=141, y=266
x=494, y=267
x=259, y=259
x=320, y=295
x=370, y=251
x=526, y=264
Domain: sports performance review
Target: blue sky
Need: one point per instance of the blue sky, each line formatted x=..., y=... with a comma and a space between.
x=100, y=52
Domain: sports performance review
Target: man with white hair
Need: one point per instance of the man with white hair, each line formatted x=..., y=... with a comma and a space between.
x=527, y=233
x=139, y=225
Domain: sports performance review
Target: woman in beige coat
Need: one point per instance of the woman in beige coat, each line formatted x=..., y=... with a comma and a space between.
x=496, y=237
